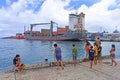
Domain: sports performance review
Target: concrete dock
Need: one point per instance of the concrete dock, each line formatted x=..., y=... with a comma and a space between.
x=101, y=71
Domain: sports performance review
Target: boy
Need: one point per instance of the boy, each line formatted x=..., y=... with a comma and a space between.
x=57, y=53
x=91, y=55
x=74, y=53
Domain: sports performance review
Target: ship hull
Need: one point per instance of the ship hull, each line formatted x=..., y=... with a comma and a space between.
x=77, y=36
x=53, y=39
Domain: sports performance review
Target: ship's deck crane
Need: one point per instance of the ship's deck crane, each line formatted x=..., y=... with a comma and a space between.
x=51, y=26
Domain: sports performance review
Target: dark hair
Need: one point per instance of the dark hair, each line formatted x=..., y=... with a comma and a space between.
x=87, y=43
x=73, y=45
x=113, y=46
x=46, y=60
x=15, y=58
x=17, y=55
x=91, y=47
x=55, y=45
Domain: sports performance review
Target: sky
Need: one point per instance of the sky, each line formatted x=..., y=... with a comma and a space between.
x=100, y=15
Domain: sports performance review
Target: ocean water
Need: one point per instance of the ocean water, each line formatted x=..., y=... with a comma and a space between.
x=33, y=52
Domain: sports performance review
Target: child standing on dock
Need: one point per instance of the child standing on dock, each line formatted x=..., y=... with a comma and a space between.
x=87, y=48
x=97, y=41
x=99, y=53
x=74, y=54
x=91, y=56
x=57, y=53
x=96, y=53
x=112, y=55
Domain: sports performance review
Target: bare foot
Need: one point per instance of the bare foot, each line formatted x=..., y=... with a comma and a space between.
x=115, y=64
x=91, y=67
x=111, y=65
x=57, y=68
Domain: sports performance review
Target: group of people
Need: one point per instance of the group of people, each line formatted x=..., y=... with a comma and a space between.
x=58, y=56
x=93, y=53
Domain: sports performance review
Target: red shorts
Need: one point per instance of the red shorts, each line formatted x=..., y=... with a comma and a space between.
x=21, y=65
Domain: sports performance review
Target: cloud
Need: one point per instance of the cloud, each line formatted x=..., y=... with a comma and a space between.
x=101, y=15
x=8, y=2
x=54, y=10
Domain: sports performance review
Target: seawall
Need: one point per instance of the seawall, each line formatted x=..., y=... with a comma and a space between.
x=53, y=64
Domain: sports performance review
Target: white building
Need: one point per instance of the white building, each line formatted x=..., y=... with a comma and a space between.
x=77, y=22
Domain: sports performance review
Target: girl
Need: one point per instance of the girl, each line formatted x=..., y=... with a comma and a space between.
x=87, y=48
x=17, y=63
x=112, y=55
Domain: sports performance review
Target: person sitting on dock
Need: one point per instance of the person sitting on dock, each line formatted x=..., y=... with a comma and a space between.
x=17, y=63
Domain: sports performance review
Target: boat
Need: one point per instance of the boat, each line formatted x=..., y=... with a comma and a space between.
x=48, y=34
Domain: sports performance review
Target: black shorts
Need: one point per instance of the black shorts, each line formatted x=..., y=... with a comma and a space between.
x=99, y=54
x=112, y=55
x=91, y=58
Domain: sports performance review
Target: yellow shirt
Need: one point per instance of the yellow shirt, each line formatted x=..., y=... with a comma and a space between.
x=96, y=50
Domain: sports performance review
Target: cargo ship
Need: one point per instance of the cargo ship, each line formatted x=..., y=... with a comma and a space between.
x=48, y=34
x=62, y=34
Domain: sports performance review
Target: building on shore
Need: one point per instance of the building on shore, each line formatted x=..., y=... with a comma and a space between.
x=105, y=36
